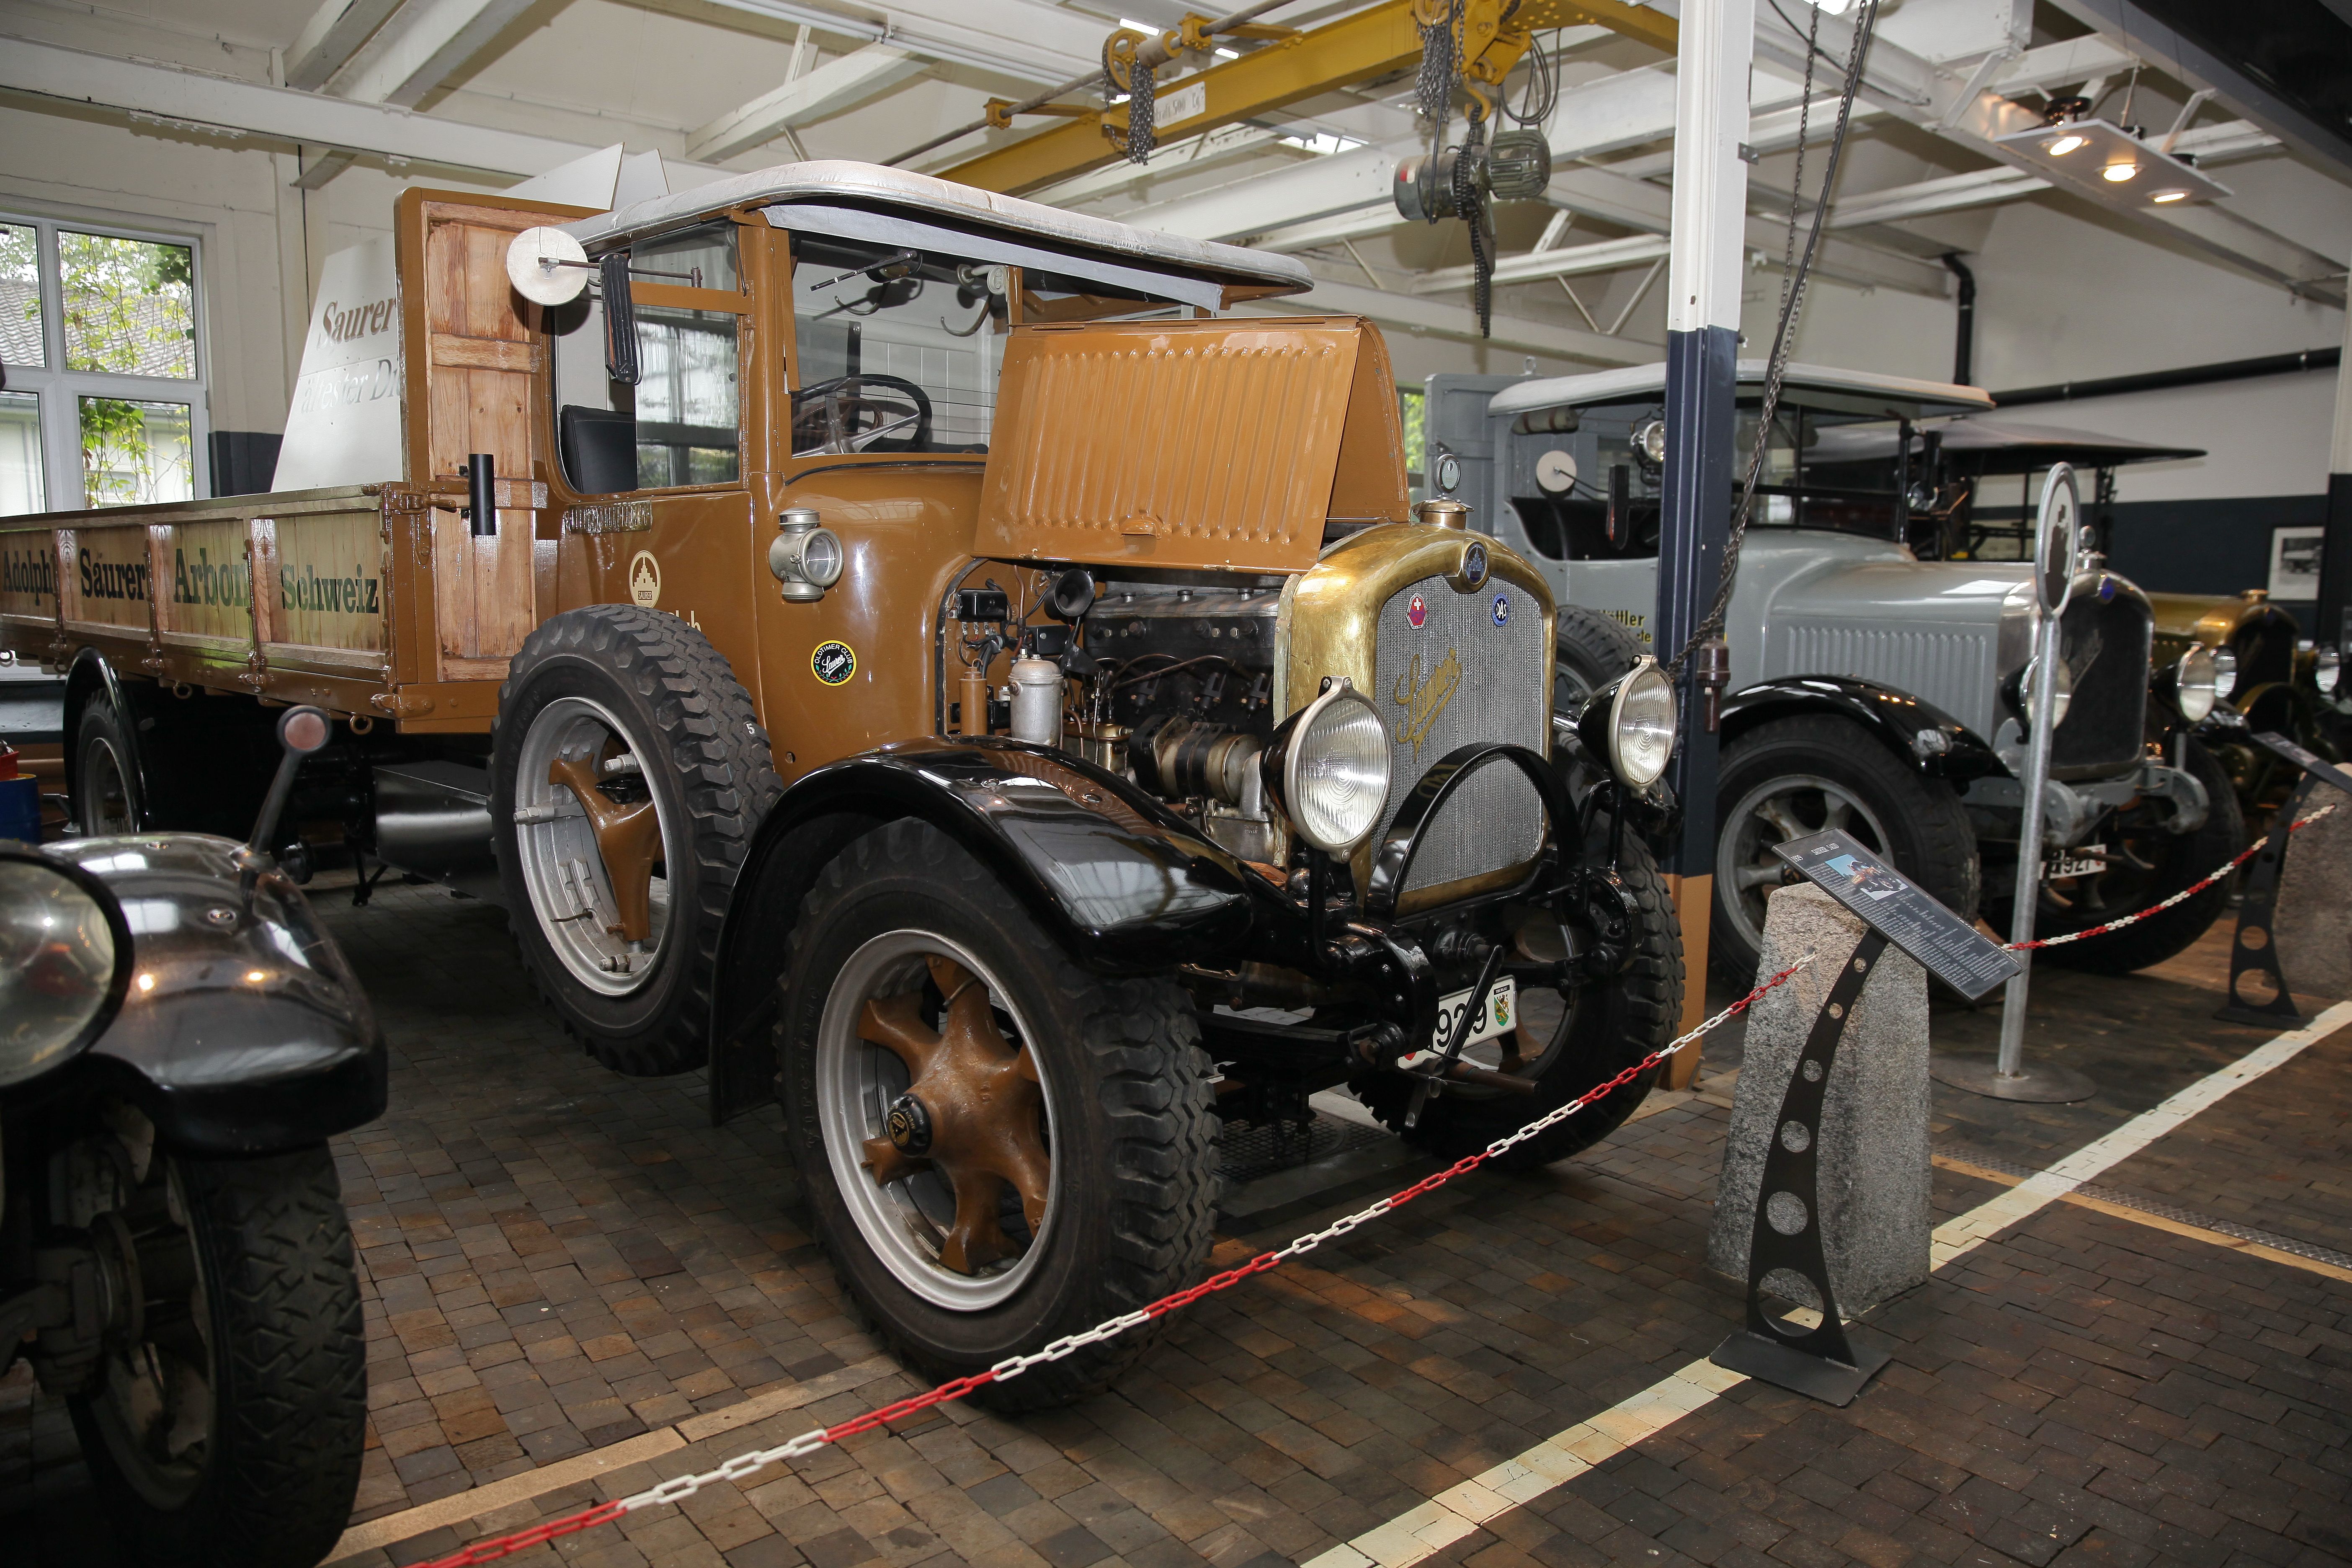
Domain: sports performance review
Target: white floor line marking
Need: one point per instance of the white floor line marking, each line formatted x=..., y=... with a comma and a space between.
x=1420, y=1533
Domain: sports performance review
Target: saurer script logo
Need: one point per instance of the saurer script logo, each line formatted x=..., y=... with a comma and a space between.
x=1424, y=700
x=111, y=579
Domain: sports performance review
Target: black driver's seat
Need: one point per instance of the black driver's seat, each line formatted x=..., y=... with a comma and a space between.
x=599, y=447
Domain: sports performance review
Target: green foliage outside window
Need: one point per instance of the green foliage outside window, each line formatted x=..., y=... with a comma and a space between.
x=129, y=305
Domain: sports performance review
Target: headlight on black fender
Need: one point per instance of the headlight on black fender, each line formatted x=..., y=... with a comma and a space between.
x=2195, y=685
x=1327, y=769
x=2327, y=671
x=65, y=962
x=1632, y=723
x=2225, y=674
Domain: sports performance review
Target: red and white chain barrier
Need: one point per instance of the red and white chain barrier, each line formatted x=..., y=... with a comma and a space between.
x=678, y=1489
x=2191, y=891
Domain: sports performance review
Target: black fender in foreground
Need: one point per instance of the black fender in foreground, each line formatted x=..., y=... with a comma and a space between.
x=241, y=1030
x=1122, y=883
x=1896, y=719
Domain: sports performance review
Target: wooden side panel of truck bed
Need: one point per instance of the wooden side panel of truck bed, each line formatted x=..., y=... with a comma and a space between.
x=375, y=601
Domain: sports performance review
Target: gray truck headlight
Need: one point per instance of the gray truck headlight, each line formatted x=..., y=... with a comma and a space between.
x=2195, y=686
x=64, y=965
x=2225, y=674
x=2064, y=696
x=2327, y=671
x=1632, y=723
x=1327, y=769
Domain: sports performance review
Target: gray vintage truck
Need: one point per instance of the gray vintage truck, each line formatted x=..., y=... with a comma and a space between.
x=1871, y=690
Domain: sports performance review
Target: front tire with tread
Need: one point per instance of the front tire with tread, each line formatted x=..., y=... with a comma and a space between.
x=273, y=1252
x=1134, y=1151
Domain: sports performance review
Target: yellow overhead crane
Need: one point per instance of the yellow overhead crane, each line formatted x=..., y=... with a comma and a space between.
x=1290, y=65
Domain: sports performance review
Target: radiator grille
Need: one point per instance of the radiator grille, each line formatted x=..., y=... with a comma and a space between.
x=1949, y=669
x=2106, y=644
x=1457, y=678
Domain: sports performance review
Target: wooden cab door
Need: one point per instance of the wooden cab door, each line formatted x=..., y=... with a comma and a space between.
x=475, y=354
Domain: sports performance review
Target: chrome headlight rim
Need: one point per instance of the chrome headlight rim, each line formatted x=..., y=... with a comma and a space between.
x=1293, y=751
x=2062, y=699
x=23, y=1061
x=2196, y=684
x=2225, y=674
x=1613, y=712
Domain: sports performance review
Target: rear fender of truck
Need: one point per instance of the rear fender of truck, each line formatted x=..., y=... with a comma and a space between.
x=90, y=679
x=1900, y=722
x=1121, y=883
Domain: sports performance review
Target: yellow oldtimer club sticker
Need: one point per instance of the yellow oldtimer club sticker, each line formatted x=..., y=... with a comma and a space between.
x=834, y=662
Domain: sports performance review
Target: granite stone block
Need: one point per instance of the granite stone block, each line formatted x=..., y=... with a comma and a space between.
x=2314, y=916
x=1874, y=1162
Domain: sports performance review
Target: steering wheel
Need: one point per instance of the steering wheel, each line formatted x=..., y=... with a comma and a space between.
x=826, y=416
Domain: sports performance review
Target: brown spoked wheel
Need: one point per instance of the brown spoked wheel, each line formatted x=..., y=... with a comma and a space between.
x=998, y=1147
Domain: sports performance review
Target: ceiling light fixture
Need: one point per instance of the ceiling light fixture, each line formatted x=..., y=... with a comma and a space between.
x=2108, y=164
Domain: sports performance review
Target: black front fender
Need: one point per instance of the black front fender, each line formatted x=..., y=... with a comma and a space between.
x=1896, y=719
x=1121, y=882
x=243, y=1030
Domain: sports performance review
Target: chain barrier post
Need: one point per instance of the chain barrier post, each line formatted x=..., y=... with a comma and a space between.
x=2008, y=1077
x=1821, y=1361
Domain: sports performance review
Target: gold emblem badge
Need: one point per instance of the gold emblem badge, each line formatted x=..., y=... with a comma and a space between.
x=1424, y=700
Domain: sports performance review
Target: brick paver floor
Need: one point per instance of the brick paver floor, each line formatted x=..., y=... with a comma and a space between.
x=559, y=1260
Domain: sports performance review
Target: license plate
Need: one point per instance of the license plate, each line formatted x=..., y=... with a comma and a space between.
x=2086, y=861
x=1501, y=1016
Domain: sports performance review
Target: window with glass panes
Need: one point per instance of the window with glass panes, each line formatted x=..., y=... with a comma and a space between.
x=101, y=346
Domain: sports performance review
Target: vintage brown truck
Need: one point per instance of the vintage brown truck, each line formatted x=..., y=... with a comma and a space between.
x=912, y=654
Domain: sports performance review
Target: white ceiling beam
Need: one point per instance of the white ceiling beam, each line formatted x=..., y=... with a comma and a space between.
x=1952, y=193
x=282, y=114
x=331, y=36
x=1026, y=40
x=834, y=85
x=1191, y=153
x=1436, y=319
x=422, y=47
x=1563, y=261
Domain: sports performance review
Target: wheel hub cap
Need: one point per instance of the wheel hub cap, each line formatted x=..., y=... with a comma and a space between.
x=972, y=1113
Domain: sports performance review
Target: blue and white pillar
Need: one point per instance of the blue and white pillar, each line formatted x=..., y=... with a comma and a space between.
x=1704, y=266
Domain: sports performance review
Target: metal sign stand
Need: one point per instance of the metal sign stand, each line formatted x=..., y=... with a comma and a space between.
x=2008, y=1077
x=2254, y=948
x=1821, y=1363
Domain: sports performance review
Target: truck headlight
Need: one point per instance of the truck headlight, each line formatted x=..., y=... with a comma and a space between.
x=1327, y=769
x=2225, y=674
x=2195, y=685
x=2326, y=669
x=64, y=965
x=2064, y=696
x=1632, y=724
x=805, y=557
